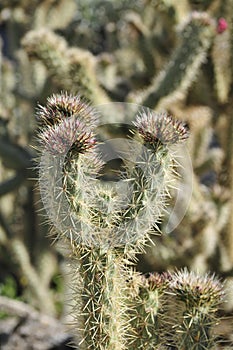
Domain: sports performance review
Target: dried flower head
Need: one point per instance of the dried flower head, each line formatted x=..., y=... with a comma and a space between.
x=160, y=128
x=62, y=106
x=195, y=290
x=71, y=134
x=156, y=281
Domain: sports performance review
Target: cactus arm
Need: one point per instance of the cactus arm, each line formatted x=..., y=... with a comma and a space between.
x=174, y=81
x=71, y=68
x=147, y=297
x=199, y=297
x=49, y=48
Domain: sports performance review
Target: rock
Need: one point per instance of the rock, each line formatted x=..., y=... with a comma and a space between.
x=31, y=330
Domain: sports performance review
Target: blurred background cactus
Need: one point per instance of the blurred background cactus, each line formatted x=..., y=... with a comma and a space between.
x=164, y=54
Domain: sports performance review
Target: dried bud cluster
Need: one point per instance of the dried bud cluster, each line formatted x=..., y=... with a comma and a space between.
x=160, y=128
x=156, y=281
x=203, y=291
x=70, y=134
x=62, y=106
x=67, y=123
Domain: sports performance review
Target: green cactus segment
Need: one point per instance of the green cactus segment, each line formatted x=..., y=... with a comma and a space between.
x=144, y=45
x=152, y=175
x=65, y=187
x=49, y=48
x=70, y=68
x=82, y=73
x=174, y=310
x=199, y=298
x=173, y=82
x=147, y=195
x=100, y=312
x=196, y=331
x=147, y=316
x=221, y=56
x=69, y=163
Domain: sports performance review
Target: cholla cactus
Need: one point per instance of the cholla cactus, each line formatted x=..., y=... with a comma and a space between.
x=198, y=298
x=98, y=215
x=107, y=223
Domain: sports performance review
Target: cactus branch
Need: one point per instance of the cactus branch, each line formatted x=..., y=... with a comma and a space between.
x=174, y=81
x=201, y=297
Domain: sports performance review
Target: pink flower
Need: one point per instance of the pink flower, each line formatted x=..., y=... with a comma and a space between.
x=222, y=25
